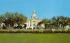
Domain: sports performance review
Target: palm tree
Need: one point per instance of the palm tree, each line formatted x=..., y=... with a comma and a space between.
x=60, y=21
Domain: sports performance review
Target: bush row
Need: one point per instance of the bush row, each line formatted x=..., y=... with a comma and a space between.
x=32, y=31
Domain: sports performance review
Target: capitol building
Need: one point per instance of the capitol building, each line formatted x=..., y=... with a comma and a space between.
x=32, y=23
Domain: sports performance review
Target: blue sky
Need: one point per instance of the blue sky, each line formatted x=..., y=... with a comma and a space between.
x=44, y=8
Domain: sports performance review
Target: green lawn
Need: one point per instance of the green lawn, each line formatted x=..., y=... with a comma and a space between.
x=34, y=38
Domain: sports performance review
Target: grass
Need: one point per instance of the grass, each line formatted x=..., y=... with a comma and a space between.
x=34, y=38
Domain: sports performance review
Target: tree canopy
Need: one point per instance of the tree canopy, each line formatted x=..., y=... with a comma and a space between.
x=10, y=18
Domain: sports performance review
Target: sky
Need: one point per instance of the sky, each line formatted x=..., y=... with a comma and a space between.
x=44, y=8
